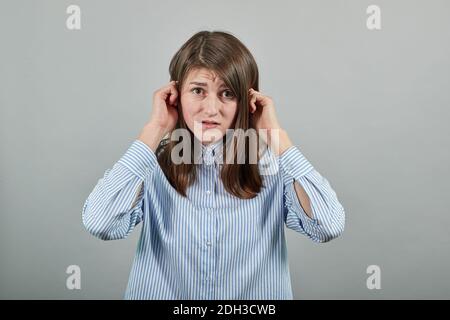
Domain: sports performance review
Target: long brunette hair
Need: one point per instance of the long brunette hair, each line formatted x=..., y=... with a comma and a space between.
x=226, y=56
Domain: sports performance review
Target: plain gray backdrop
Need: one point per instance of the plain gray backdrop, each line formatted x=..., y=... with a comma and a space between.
x=368, y=108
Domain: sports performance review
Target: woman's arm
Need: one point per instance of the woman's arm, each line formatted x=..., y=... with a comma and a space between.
x=312, y=207
x=284, y=144
x=152, y=135
x=114, y=207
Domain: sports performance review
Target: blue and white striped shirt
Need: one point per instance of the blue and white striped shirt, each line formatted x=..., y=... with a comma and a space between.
x=210, y=245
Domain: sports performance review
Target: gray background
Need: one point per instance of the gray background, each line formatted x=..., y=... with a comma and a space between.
x=369, y=109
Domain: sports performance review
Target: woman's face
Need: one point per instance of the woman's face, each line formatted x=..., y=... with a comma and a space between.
x=204, y=97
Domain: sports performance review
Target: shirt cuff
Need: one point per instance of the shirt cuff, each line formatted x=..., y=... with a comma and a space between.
x=139, y=159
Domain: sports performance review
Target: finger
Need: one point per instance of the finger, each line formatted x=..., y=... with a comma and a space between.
x=261, y=99
x=165, y=91
x=253, y=100
x=174, y=94
x=169, y=93
x=252, y=106
x=250, y=103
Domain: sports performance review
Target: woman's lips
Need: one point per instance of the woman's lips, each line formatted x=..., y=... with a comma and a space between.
x=209, y=124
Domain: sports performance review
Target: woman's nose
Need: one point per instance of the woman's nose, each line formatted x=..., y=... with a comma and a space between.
x=212, y=105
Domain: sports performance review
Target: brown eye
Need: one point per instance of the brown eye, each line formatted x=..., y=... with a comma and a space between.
x=196, y=89
x=231, y=96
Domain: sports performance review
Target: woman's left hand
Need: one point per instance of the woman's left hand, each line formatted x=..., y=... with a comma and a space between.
x=262, y=114
x=262, y=111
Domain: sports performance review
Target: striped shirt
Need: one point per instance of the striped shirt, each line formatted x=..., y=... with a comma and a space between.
x=210, y=245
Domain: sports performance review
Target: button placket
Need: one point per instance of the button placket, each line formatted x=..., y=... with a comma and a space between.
x=210, y=175
x=209, y=253
x=208, y=157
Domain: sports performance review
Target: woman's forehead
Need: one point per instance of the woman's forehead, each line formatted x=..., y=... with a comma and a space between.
x=204, y=75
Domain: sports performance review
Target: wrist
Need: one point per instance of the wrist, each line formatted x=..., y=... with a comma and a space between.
x=280, y=142
x=152, y=135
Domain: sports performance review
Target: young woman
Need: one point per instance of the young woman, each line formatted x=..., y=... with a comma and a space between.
x=212, y=228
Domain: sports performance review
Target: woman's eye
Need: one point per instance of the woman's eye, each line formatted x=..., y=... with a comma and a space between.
x=193, y=90
x=231, y=94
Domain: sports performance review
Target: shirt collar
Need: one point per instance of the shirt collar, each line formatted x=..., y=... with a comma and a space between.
x=212, y=152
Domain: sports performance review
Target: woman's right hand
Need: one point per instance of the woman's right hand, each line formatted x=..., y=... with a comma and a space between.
x=164, y=115
x=165, y=107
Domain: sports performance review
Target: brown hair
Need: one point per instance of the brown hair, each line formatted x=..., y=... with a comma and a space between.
x=225, y=55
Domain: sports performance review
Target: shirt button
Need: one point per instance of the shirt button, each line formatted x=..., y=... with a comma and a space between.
x=208, y=192
x=208, y=243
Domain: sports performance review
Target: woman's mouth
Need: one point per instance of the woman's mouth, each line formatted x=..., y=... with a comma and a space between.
x=208, y=124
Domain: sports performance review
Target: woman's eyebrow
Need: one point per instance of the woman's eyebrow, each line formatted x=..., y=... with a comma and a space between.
x=203, y=84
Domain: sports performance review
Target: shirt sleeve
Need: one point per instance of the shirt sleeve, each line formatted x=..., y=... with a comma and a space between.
x=114, y=207
x=328, y=219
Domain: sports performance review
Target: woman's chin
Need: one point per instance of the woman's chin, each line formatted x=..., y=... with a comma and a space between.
x=209, y=136
x=207, y=139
